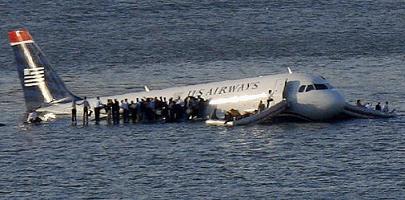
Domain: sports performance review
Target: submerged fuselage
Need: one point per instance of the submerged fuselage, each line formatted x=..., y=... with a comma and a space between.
x=309, y=96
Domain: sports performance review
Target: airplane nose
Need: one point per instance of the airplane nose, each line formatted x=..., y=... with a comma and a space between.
x=319, y=104
x=334, y=103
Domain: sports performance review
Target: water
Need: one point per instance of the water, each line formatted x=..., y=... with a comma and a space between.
x=114, y=47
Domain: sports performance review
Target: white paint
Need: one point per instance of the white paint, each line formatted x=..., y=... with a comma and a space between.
x=22, y=42
x=238, y=99
x=33, y=67
x=315, y=105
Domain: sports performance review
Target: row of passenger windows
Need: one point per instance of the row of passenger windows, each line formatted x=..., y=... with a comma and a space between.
x=307, y=88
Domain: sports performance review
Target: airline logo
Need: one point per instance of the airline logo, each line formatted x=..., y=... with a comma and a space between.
x=225, y=89
x=34, y=76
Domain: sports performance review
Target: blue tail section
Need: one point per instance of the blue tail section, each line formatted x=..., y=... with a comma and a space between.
x=41, y=84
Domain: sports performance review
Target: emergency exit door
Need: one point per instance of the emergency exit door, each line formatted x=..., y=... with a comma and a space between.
x=279, y=90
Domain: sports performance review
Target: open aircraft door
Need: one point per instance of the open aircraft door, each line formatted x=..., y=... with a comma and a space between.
x=279, y=90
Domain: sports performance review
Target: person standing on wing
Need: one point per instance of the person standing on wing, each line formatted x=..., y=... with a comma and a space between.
x=378, y=106
x=116, y=111
x=270, y=99
x=261, y=106
x=86, y=107
x=126, y=110
x=385, y=107
x=33, y=117
x=74, y=112
x=97, y=108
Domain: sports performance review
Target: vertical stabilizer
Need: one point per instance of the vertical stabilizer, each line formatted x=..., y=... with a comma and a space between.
x=41, y=85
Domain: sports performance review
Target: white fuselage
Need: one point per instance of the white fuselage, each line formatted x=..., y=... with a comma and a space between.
x=321, y=103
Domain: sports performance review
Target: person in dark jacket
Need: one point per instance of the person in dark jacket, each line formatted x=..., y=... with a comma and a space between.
x=125, y=108
x=74, y=112
x=116, y=111
x=108, y=110
x=378, y=106
x=132, y=111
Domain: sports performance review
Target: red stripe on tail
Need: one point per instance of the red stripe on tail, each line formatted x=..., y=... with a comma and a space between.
x=19, y=36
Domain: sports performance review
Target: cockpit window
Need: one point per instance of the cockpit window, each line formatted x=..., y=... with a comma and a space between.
x=309, y=88
x=321, y=87
x=329, y=86
x=302, y=88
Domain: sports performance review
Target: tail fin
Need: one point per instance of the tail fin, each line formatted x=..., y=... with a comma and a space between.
x=41, y=85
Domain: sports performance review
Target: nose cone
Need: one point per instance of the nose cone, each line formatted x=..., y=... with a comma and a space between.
x=320, y=105
x=332, y=103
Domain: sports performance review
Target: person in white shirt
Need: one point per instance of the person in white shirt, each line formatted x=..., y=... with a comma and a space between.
x=86, y=108
x=368, y=106
x=385, y=107
x=33, y=117
x=99, y=103
x=97, y=108
x=125, y=108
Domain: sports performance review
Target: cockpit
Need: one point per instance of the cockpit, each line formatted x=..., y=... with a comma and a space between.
x=307, y=88
x=314, y=97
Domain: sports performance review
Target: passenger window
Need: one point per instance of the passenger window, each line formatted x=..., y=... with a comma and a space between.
x=309, y=88
x=302, y=88
x=321, y=87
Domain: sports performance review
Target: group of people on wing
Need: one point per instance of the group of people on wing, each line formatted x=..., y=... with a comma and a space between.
x=378, y=106
x=143, y=110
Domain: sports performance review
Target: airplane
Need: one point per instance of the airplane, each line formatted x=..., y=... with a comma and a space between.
x=310, y=97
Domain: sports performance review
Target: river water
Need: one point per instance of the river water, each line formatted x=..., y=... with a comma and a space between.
x=114, y=47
